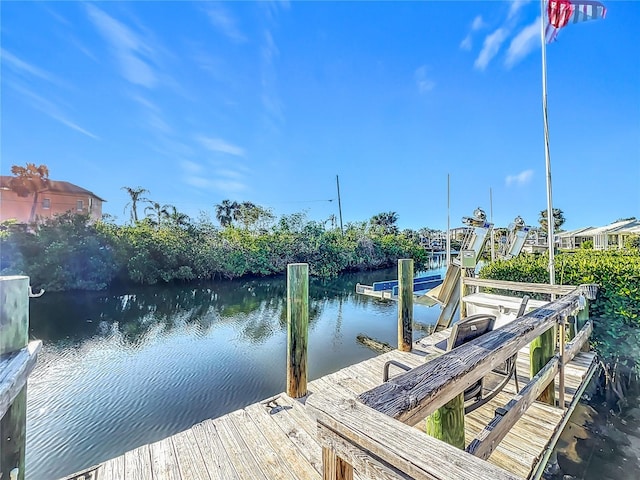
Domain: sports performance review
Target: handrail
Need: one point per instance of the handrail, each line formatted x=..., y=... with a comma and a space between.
x=519, y=286
x=412, y=396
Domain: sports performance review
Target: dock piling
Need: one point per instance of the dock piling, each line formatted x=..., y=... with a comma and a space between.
x=405, y=304
x=14, y=324
x=297, y=328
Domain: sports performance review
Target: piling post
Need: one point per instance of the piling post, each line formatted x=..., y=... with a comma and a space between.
x=447, y=423
x=297, y=328
x=405, y=304
x=541, y=350
x=589, y=292
x=14, y=325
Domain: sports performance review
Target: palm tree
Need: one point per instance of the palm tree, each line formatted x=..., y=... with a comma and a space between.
x=156, y=213
x=29, y=180
x=386, y=222
x=136, y=196
x=177, y=218
x=227, y=212
x=558, y=219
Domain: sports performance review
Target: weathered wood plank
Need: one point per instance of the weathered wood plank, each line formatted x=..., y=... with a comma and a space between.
x=271, y=464
x=14, y=371
x=337, y=467
x=520, y=286
x=112, y=469
x=395, y=443
x=420, y=392
x=137, y=464
x=164, y=463
x=485, y=443
x=575, y=345
x=214, y=447
x=239, y=452
x=300, y=429
x=190, y=458
x=280, y=443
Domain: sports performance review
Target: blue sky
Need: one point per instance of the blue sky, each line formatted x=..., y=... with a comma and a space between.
x=269, y=101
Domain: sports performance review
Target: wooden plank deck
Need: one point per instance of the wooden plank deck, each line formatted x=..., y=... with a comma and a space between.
x=276, y=438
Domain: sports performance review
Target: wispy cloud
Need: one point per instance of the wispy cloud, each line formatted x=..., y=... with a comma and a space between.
x=224, y=180
x=424, y=83
x=127, y=47
x=515, y=7
x=224, y=22
x=490, y=48
x=520, y=179
x=477, y=23
x=50, y=109
x=21, y=67
x=219, y=145
x=523, y=43
x=466, y=43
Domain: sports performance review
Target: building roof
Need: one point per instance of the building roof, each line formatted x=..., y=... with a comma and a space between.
x=624, y=226
x=55, y=186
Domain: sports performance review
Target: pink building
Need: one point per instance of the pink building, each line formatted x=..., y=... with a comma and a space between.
x=57, y=198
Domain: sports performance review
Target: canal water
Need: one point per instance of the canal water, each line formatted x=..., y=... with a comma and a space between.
x=122, y=369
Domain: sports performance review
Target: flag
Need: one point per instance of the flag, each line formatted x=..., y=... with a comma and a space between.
x=561, y=12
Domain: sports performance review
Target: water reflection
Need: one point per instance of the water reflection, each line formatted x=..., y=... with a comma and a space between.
x=123, y=368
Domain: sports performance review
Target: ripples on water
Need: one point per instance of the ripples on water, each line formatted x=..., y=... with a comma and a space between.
x=121, y=370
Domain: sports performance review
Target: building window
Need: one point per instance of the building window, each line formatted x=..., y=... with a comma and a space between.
x=46, y=203
x=79, y=205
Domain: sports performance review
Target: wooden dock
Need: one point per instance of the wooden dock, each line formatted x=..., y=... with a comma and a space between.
x=278, y=437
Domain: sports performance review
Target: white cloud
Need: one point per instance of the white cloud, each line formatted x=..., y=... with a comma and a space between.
x=224, y=22
x=424, y=83
x=220, y=145
x=466, y=43
x=191, y=167
x=477, y=23
x=50, y=109
x=20, y=66
x=523, y=43
x=515, y=7
x=520, y=179
x=127, y=47
x=490, y=48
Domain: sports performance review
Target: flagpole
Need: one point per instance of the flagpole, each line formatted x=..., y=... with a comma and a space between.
x=448, y=224
x=550, y=221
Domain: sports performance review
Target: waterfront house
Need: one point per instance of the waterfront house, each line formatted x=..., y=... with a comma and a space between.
x=57, y=198
x=608, y=237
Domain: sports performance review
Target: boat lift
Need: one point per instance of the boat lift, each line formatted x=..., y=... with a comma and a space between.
x=446, y=292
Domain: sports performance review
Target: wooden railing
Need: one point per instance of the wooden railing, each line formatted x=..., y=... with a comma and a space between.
x=373, y=431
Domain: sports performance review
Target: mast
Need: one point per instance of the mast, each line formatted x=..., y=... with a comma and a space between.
x=339, y=204
x=552, y=274
x=448, y=224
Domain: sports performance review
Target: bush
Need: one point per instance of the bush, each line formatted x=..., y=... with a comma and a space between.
x=616, y=310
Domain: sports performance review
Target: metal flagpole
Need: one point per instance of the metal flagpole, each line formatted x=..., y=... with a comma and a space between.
x=552, y=274
x=493, y=244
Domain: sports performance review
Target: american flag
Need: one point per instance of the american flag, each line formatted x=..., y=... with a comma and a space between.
x=561, y=12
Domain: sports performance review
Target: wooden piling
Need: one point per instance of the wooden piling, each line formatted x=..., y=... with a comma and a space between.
x=297, y=328
x=447, y=423
x=541, y=350
x=14, y=325
x=405, y=304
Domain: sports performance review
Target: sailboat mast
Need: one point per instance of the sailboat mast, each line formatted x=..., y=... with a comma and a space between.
x=550, y=222
x=448, y=224
x=339, y=204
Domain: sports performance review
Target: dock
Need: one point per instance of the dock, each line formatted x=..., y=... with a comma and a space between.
x=354, y=424
x=278, y=437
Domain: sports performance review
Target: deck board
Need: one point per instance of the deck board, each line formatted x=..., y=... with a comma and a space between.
x=277, y=438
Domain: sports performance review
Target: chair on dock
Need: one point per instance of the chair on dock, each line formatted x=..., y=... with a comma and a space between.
x=462, y=332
